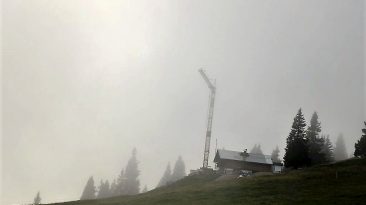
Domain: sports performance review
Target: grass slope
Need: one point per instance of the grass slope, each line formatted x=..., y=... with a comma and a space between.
x=316, y=185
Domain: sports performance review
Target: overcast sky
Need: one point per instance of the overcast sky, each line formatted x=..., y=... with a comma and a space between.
x=86, y=81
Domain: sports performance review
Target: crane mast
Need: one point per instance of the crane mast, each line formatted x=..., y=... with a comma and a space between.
x=212, y=87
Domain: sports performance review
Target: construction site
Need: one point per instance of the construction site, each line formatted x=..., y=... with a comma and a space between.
x=228, y=161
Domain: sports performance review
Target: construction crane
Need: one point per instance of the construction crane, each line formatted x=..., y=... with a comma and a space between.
x=211, y=85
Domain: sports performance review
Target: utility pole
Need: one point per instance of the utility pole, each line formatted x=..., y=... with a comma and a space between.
x=211, y=85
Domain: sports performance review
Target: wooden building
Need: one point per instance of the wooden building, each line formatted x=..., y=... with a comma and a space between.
x=235, y=161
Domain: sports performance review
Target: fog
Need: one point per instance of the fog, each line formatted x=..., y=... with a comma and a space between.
x=85, y=82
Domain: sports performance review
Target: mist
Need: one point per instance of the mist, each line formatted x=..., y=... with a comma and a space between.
x=86, y=82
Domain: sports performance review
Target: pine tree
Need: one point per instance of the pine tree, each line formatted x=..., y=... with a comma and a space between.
x=179, y=170
x=100, y=188
x=113, y=189
x=120, y=185
x=107, y=189
x=166, y=176
x=132, y=173
x=89, y=190
x=104, y=190
x=340, y=152
x=327, y=149
x=296, y=154
x=37, y=199
x=360, y=145
x=256, y=149
x=276, y=155
x=315, y=142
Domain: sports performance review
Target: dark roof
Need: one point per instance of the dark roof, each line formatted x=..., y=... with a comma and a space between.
x=238, y=156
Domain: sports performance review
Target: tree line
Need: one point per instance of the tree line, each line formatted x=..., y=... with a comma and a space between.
x=177, y=174
x=306, y=146
x=127, y=183
x=360, y=145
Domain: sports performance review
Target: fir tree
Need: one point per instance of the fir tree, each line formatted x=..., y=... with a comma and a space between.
x=327, y=149
x=104, y=190
x=37, y=199
x=120, y=185
x=296, y=154
x=179, y=170
x=166, y=176
x=89, y=190
x=340, y=152
x=100, y=188
x=132, y=173
x=315, y=142
x=107, y=188
x=113, y=189
x=256, y=149
x=360, y=145
x=275, y=156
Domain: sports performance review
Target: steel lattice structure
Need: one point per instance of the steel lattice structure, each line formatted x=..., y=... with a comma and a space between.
x=212, y=87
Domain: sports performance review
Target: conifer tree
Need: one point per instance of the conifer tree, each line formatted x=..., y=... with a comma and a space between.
x=107, y=188
x=360, y=145
x=100, y=188
x=179, y=170
x=275, y=156
x=166, y=176
x=120, y=185
x=104, y=190
x=132, y=173
x=327, y=149
x=256, y=149
x=296, y=154
x=113, y=189
x=315, y=142
x=37, y=199
x=89, y=190
x=340, y=152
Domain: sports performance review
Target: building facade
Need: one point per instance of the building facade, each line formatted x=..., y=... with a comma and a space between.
x=236, y=161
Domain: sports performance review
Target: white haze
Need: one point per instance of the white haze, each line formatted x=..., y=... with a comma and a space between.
x=84, y=82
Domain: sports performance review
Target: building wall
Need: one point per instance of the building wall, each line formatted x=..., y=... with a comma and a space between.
x=240, y=165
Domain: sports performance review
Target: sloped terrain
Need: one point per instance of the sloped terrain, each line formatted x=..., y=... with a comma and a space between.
x=339, y=183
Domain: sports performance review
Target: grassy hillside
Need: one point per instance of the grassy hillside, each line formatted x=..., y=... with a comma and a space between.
x=340, y=183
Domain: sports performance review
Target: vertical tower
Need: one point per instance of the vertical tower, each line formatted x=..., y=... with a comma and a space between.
x=212, y=87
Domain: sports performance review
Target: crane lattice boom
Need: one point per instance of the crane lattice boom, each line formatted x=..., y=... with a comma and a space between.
x=212, y=87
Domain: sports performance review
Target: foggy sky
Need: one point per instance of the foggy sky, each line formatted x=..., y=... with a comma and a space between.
x=84, y=82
